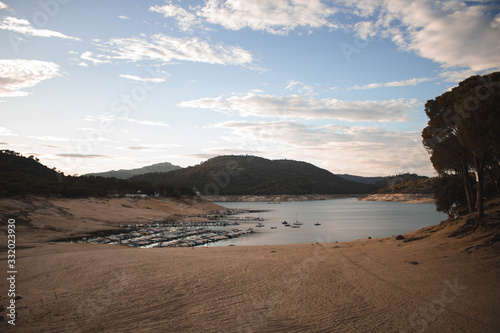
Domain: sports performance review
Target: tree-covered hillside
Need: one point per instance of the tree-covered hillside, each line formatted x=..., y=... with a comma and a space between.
x=21, y=175
x=125, y=174
x=251, y=175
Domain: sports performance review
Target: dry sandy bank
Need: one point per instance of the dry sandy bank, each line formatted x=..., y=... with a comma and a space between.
x=276, y=198
x=405, y=198
x=434, y=283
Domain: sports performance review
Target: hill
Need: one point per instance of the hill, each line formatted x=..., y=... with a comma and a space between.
x=403, y=183
x=125, y=174
x=251, y=175
x=362, y=180
x=22, y=176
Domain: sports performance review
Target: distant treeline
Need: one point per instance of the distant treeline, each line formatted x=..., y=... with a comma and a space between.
x=406, y=184
x=21, y=175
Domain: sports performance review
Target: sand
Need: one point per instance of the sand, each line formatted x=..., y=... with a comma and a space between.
x=428, y=282
x=399, y=197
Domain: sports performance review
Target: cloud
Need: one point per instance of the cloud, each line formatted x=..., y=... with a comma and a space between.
x=123, y=17
x=6, y=132
x=95, y=59
x=364, y=150
x=17, y=74
x=54, y=138
x=300, y=87
x=453, y=33
x=107, y=117
x=271, y=16
x=163, y=48
x=269, y=106
x=91, y=156
x=24, y=27
x=153, y=147
x=410, y=82
x=185, y=20
x=456, y=75
x=3, y=6
x=143, y=79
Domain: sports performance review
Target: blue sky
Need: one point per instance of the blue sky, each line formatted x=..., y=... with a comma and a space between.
x=90, y=86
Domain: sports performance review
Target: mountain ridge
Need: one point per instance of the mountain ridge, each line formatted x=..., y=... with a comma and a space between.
x=127, y=173
x=244, y=174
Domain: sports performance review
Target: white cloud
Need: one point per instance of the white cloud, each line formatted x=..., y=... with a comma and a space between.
x=185, y=19
x=271, y=16
x=24, y=27
x=17, y=74
x=6, y=132
x=452, y=33
x=456, y=75
x=95, y=59
x=145, y=122
x=155, y=147
x=123, y=17
x=163, y=48
x=3, y=6
x=355, y=150
x=107, y=117
x=300, y=87
x=54, y=138
x=410, y=82
x=269, y=106
x=143, y=79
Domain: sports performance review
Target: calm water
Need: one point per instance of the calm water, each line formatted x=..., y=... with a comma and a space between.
x=341, y=220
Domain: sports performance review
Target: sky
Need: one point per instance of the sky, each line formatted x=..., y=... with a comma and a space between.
x=90, y=86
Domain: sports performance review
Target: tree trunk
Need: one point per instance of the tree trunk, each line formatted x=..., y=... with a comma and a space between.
x=468, y=190
x=479, y=165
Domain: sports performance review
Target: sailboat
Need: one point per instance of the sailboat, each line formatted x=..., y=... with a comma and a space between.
x=317, y=223
x=297, y=222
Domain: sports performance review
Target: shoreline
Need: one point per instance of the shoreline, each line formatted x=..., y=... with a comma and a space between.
x=394, y=197
x=277, y=198
x=443, y=278
x=399, y=197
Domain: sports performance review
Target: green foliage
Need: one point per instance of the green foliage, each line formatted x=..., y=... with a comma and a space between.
x=21, y=176
x=448, y=193
x=424, y=185
x=463, y=135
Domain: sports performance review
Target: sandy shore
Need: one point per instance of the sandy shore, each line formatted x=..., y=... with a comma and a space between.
x=426, y=282
x=276, y=198
x=398, y=197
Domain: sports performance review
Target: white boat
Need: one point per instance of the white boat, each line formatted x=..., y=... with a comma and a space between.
x=259, y=225
x=297, y=222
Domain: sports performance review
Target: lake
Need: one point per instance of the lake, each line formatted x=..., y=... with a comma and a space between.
x=341, y=220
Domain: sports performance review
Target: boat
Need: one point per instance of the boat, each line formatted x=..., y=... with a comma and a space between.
x=259, y=225
x=295, y=226
x=317, y=223
x=297, y=222
x=273, y=227
x=288, y=225
x=284, y=222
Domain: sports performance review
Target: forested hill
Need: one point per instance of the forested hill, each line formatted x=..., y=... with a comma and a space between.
x=125, y=174
x=251, y=175
x=21, y=175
